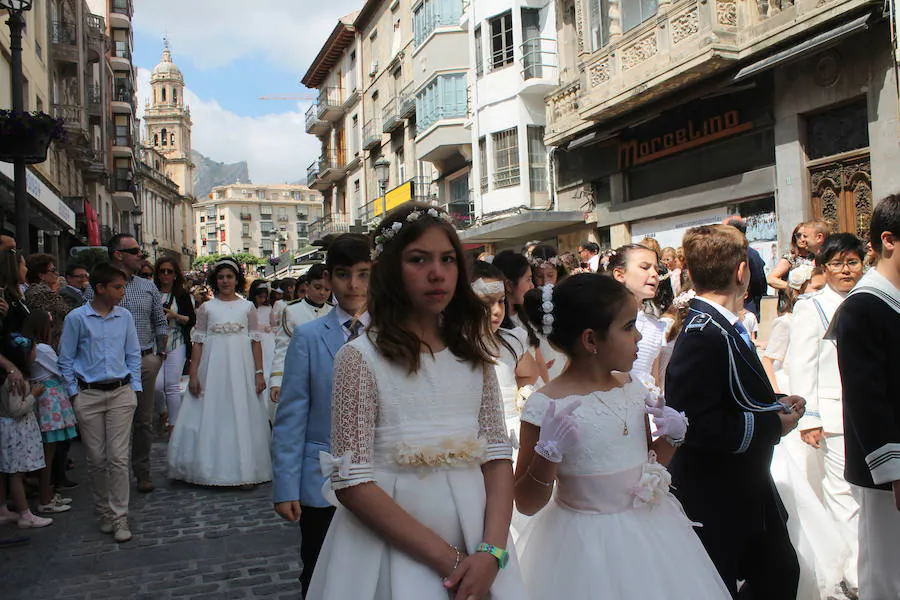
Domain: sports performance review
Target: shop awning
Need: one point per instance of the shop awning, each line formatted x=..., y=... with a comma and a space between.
x=524, y=226
x=814, y=44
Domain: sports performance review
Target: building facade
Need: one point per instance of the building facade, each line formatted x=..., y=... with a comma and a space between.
x=675, y=114
x=263, y=220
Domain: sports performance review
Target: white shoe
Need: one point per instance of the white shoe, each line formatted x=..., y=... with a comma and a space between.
x=121, y=532
x=53, y=507
x=61, y=500
x=27, y=520
x=106, y=525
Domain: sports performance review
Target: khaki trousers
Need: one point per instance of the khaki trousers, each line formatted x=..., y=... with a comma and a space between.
x=143, y=417
x=105, y=421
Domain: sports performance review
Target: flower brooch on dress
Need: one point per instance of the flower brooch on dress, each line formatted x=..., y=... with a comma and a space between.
x=449, y=453
x=547, y=308
x=389, y=232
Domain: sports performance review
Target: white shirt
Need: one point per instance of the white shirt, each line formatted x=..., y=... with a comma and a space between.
x=343, y=316
x=729, y=316
x=594, y=263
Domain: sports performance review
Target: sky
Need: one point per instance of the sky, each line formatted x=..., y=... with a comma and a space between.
x=232, y=53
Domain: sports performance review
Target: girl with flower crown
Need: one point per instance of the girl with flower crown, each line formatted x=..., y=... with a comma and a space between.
x=421, y=470
x=611, y=528
x=222, y=434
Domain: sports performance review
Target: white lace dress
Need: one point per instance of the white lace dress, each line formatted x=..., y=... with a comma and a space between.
x=222, y=437
x=389, y=427
x=612, y=529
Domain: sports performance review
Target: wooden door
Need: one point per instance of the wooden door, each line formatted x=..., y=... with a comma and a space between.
x=842, y=193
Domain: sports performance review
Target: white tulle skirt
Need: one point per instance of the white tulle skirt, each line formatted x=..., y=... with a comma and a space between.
x=640, y=554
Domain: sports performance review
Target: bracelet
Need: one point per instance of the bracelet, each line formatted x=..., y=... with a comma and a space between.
x=543, y=483
x=259, y=372
x=456, y=562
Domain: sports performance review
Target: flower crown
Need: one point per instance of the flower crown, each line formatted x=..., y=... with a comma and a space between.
x=389, y=232
x=547, y=308
x=537, y=262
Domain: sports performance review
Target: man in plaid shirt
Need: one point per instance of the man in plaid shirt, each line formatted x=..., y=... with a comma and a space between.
x=143, y=301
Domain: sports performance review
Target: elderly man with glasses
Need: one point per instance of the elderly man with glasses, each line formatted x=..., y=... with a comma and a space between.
x=77, y=280
x=142, y=300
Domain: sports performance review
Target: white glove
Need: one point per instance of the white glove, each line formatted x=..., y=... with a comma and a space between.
x=669, y=422
x=559, y=432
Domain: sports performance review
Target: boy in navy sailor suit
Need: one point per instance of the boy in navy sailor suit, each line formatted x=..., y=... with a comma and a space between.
x=721, y=472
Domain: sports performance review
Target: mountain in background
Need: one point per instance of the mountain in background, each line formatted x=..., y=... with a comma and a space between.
x=209, y=173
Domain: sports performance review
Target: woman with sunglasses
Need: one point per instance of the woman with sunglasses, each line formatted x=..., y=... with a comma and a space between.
x=43, y=293
x=799, y=254
x=179, y=308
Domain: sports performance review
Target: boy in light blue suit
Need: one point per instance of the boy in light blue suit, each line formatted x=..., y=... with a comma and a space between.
x=303, y=420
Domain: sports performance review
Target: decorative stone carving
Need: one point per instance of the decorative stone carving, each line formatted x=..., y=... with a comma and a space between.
x=599, y=73
x=565, y=103
x=685, y=25
x=726, y=12
x=579, y=25
x=640, y=51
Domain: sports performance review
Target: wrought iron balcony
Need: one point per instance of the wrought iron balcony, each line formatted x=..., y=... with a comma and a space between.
x=371, y=134
x=315, y=125
x=330, y=224
x=330, y=104
x=63, y=33
x=122, y=7
x=390, y=116
x=407, y=101
x=312, y=173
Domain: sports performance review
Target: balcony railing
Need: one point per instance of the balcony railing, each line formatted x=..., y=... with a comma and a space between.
x=421, y=192
x=122, y=140
x=371, y=134
x=123, y=184
x=332, y=223
x=122, y=7
x=407, y=100
x=96, y=25
x=63, y=33
x=245, y=216
x=450, y=111
x=331, y=161
x=70, y=114
x=312, y=173
x=539, y=58
x=390, y=116
x=423, y=26
x=461, y=211
x=93, y=94
x=330, y=98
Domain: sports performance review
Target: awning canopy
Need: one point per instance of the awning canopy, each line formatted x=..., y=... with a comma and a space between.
x=525, y=225
x=816, y=43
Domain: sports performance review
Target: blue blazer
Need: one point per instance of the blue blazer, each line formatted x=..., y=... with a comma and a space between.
x=303, y=419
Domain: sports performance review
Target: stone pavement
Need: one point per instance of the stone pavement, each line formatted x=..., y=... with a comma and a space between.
x=189, y=542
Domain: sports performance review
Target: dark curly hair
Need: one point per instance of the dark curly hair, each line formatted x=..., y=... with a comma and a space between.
x=466, y=318
x=213, y=284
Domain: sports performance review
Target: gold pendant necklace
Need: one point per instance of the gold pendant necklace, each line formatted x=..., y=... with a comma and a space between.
x=624, y=421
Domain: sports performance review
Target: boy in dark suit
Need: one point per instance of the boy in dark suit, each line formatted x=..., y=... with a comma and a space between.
x=303, y=421
x=867, y=328
x=721, y=472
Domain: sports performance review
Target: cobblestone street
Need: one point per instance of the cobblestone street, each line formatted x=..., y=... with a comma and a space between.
x=189, y=542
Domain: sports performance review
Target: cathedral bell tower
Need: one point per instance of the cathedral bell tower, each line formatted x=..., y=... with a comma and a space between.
x=168, y=122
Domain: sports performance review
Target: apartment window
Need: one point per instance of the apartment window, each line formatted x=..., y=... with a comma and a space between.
x=202, y=218
x=357, y=194
x=431, y=14
x=506, y=158
x=268, y=246
x=501, y=40
x=265, y=211
x=354, y=135
x=445, y=97
x=302, y=230
x=295, y=195
x=202, y=231
x=245, y=229
x=213, y=245
x=266, y=227
x=537, y=159
x=222, y=217
x=401, y=165
x=211, y=213
x=635, y=12
x=282, y=213
x=123, y=131
x=479, y=53
x=483, y=164
x=261, y=195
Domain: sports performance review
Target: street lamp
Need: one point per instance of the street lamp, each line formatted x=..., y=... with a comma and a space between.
x=16, y=22
x=382, y=168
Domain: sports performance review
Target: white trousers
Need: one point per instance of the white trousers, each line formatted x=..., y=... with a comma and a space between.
x=879, y=544
x=168, y=383
x=838, y=499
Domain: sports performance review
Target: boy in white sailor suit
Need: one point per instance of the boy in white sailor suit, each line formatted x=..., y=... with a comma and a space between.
x=867, y=330
x=721, y=473
x=813, y=370
x=296, y=313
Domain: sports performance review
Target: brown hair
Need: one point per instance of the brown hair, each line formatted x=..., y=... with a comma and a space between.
x=37, y=327
x=652, y=244
x=179, y=286
x=38, y=264
x=466, y=323
x=712, y=253
x=9, y=274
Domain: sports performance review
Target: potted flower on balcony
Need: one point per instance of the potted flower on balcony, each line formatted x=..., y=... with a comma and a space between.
x=28, y=135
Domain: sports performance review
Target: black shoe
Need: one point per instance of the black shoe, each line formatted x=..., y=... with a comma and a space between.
x=66, y=485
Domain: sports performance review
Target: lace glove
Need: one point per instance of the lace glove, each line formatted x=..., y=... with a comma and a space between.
x=670, y=423
x=559, y=432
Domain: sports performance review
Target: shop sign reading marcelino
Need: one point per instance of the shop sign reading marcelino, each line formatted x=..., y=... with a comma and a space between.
x=694, y=133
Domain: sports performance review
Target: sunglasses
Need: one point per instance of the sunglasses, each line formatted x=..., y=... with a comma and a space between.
x=166, y=271
x=132, y=251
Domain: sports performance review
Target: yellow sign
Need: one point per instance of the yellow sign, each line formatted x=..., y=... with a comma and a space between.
x=394, y=198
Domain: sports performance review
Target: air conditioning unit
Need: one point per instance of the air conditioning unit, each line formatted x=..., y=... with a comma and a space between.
x=373, y=68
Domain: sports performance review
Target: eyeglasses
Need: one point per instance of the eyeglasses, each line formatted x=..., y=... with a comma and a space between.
x=146, y=275
x=166, y=271
x=837, y=267
x=131, y=251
